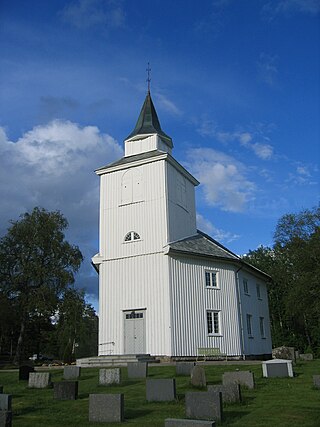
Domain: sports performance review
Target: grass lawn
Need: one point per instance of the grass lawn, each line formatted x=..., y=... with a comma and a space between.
x=275, y=402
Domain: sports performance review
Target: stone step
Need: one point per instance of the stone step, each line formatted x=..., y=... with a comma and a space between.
x=115, y=360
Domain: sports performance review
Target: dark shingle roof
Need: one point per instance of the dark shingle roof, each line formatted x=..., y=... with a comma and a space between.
x=134, y=158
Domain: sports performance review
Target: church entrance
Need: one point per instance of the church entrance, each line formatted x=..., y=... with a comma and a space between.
x=134, y=332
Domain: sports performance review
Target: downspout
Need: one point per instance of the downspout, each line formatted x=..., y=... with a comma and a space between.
x=240, y=313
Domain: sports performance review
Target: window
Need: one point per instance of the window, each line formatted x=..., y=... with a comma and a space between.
x=211, y=279
x=213, y=323
x=249, y=324
x=258, y=291
x=245, y=286
x=134, y=315
x=262, y=329
x=132, y=186
x=131, y=236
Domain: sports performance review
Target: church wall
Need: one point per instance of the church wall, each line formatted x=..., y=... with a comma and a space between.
x=139, y=282
x=190, y=300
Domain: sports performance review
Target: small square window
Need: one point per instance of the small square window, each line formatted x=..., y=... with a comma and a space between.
x=211, y=279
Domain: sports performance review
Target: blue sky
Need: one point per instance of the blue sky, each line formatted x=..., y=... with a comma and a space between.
x=235, y=84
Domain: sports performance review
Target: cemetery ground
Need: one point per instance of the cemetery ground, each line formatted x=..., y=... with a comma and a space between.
x=274, y=401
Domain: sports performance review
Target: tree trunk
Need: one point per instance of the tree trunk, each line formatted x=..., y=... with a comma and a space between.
x=18, y=356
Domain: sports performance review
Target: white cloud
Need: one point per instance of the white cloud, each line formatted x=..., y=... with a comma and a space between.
x=207, y=227
x=287, y=7
x=167, y=105
x=222, y=179
x=267, y=67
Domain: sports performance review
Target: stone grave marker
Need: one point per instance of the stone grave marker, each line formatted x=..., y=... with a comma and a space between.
x=137, y=369
x=306, y=356
x=277, y=368
x=172, y=422
x=71, y=372
x=39, y=380
x=24, y=371
x=231, y=393
x=5, y=418
x=204, y=405
x=184, y=368
x=65, y=390
x=198, y=377
x=5, y=402
x=160, y=390
x=106, y=408
x=284, y=352
x=316, y=381
x=109, y=376
x=244, y=378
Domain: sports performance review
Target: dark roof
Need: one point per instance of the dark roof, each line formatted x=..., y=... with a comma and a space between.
x=134, y=158
x=148, y=121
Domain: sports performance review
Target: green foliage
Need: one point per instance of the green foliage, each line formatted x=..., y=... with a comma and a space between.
x=294, y=265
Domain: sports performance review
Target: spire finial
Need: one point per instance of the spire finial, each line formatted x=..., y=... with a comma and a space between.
x=148, y=78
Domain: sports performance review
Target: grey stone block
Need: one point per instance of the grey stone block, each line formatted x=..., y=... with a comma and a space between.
x=184, y=368
x=160, y=390
x=109, y=376
x=71, y=372
x=24, y=371
x=198, y=377
x=65, y=390
x=284, y=352
x=5, y=402
x=137, y=369
x=106, y=408
x=39, y=380
x=172, y=422
x=231, y=393
x=5, y=418
x=316, y=381
x=204, y=405
x=306, y=356
x=244, y=378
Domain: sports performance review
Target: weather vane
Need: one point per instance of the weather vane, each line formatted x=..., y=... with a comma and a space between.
x=148, y=79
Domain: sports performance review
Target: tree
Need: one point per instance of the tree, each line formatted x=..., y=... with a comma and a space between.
x=37, y=265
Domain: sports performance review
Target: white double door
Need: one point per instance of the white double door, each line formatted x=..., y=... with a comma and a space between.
x=134, y=332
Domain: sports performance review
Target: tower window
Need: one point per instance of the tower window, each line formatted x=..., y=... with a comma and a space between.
x=131, y=236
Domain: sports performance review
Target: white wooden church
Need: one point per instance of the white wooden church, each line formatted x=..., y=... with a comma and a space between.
x=166, y=288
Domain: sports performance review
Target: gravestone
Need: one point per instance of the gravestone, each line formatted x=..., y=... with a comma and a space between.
x=24, y=371
x=316, y=381
x=109, y=376
x=5, y=402
x=277, y=368
x=39, y=380
x=106, y=408
x=71, y=372
x=184, y=368
x=198, y=377
x=231, y=393
x=204, y=405
x=137, y=369
x=284, y=352
x=306, y=356
x=160, y=390
x=172, y=422
x=244, y=378
x=65, y=390
x=5, y=418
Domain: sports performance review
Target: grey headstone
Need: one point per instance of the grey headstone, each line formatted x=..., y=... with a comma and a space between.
x=106, y=408
x=316, y=381
x=5, y=402
x=277, y=370
x=39, y=380
x=184, y=368
x=24, y=371
x=244, y=378
x=284, y=352
x=5, y=418
x=231, y=393
x=65, y=390
x=204, y=405
x=109, y=376
x=71, y=372
x=198, y=377
x=172, y=422
x=306, y=356
x=137, y=369
x=160, y=390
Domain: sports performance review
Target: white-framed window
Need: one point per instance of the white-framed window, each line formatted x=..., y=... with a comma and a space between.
x=131, y=236
x=262, y=328
x=258, y=291
x=249, y=325
x=245, y=286
x=213, y=322
x=211, y=279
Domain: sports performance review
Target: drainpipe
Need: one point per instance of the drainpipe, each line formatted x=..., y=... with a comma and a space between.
x=240, y=313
